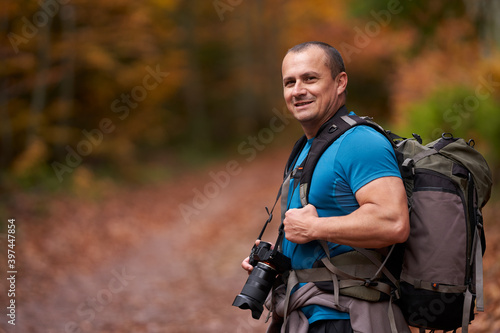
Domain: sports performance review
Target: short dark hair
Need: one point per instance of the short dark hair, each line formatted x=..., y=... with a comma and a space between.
x=334, y=59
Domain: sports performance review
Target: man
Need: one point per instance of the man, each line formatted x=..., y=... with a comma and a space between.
x=357, y=197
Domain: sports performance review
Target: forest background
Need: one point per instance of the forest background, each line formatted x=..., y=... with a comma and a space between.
x=115, y=87
x=102, y=98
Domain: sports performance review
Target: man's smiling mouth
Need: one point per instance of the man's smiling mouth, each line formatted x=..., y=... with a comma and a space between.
x=297, y=104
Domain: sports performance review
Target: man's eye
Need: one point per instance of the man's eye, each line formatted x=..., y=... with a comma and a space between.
x=310, y=78
x=289, y=83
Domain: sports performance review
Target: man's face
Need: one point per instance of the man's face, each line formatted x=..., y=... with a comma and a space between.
x=311, y=94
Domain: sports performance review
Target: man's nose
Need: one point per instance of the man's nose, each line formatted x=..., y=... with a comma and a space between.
x=298, y=89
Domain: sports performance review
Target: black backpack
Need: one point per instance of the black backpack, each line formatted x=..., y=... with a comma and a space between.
x=447, y=184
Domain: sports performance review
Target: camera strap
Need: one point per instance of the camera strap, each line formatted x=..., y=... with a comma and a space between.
x=284, y=198
x=283, y=193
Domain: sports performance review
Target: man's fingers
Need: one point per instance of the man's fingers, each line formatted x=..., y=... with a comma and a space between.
x=246, y=265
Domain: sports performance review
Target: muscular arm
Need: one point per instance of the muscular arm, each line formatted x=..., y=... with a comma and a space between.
x=381, y=220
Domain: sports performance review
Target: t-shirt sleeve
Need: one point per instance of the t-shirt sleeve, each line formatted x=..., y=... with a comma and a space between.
x=367, y=155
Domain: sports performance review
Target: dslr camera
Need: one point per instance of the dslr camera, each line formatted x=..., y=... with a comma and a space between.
x=268, y=264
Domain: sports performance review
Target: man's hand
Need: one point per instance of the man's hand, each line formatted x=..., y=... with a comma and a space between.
x=246, y=262
x=299, y=224
x=381, y=220
x=246, y=265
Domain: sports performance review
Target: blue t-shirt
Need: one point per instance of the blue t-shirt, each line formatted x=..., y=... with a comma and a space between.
x=356, y=158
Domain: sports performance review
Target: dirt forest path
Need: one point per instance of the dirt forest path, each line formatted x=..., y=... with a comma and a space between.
x=127, y=260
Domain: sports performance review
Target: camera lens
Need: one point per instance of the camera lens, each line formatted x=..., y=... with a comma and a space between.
x=256, y=289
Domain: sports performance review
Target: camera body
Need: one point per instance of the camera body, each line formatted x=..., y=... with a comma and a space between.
x=268, y=264
x=264, y=253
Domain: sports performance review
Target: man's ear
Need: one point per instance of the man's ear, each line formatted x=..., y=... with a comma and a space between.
x=342, y=83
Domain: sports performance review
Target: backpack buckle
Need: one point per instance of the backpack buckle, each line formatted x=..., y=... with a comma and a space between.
x=395, y=293
x=332, y=128
x=370, y=283
x=479, y=221
x=417, y=137
x=408, y=168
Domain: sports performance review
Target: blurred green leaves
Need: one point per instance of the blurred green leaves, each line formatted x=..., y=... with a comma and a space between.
x=469, y=112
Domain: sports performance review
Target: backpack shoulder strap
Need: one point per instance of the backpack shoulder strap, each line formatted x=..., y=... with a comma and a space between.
x=297, y=148
x=328, y=133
